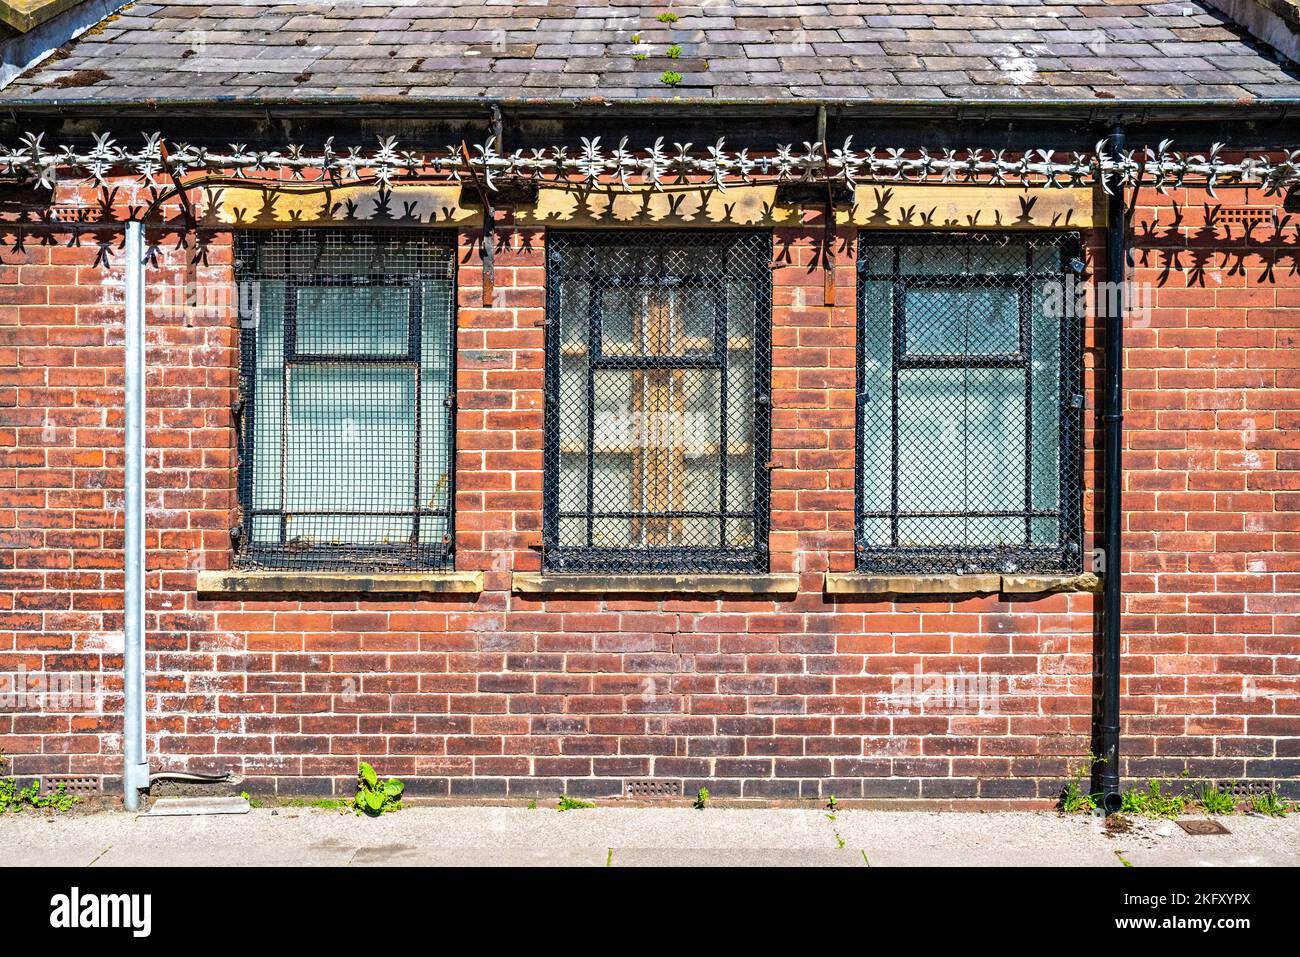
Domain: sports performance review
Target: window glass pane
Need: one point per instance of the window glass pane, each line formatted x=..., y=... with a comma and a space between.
x=740, y=403
x=740, y=533
x=354, y=321
x=962, y=321
x=1046, y=258
x=996, y=258
x=933, y=260
x=350, y=449
x=435, y=413
x=669, y=322
x=656, y=445
x=961, y=439
x=615, y=490
x=265, y=528
x=268, y=388
x=875, y=261
x=995, y=438
x=575, y=305
x=573, y=531
x=875, y=397
x=1046, y=414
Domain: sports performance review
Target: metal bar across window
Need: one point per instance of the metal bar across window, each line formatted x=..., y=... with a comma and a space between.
x=657, y=369
x=969, y=427
x=347, y=425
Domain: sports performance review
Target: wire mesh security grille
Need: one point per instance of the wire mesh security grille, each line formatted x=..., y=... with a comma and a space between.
x=346, y=424
x=657, y=410
x=969, y=403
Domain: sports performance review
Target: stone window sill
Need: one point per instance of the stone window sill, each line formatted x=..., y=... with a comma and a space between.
x=888, y=586
x=357, y=584
x=539, y=584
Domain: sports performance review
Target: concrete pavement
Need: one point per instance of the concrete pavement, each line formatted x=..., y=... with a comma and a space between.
x=632, y=836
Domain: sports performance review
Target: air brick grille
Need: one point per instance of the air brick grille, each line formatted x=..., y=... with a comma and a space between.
x=652, y=789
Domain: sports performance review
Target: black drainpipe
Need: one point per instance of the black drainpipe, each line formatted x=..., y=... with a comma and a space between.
x=1112, y=494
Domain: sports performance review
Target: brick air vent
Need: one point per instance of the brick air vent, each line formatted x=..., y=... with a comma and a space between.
x=651, y=789
x=1244, y=215
x=81, y=786
x=1245, y=789
x=65, y=213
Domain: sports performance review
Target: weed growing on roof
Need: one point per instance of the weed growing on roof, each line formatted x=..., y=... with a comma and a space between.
x=99, y=27
x=674, y=51
x=667, y=17
x=81, y=78
x=670, y=78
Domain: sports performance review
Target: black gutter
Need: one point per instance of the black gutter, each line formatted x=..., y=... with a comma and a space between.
x=1112, y=417
x=305, y=104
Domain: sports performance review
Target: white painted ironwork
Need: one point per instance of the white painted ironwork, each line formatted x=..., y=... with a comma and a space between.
x=657, y=166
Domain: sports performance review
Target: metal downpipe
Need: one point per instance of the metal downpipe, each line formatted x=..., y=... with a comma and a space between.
x=1108, y=778
x=135, y=767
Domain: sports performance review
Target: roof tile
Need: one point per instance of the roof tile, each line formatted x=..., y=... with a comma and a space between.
x=1001, y=49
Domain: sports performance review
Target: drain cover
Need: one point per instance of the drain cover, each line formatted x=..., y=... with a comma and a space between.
x=1203, y=826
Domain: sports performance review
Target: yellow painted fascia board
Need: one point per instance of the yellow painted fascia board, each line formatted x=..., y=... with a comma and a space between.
x=270, y=206
x=23, y=15
x=902, y=206
x=927, y=206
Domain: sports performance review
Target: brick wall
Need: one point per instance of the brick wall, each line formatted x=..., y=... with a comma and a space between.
x=506, y=696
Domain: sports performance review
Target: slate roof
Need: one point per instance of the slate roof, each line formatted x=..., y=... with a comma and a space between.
x=999, y=50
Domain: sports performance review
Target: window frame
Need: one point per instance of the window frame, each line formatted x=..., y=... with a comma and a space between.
x=676, y=559
x=356, y=557
x=1065, y=555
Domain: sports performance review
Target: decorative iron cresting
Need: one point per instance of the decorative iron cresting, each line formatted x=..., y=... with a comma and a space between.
x=159, y=164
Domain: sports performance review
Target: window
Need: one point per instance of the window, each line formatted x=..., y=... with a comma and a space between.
x=969, y=404
x=657, y=401
x=346, y=427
